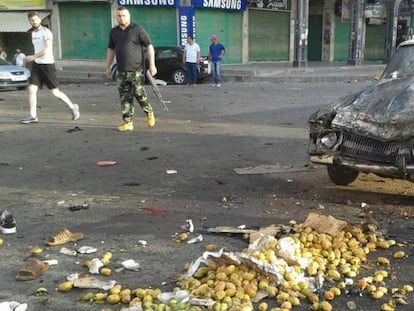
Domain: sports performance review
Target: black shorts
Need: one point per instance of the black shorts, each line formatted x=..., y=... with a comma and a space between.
x=44, y=74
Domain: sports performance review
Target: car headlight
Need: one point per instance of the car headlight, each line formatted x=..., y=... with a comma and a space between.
x=328, y=139
x=4, y=74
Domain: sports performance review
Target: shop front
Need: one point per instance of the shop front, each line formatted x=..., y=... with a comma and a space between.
x=270, y=30
x=14, y=26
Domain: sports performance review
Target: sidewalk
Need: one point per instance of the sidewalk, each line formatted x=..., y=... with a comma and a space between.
x=78, y=71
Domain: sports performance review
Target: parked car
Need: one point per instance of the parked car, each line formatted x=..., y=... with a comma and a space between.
x=13, y=76
x=371, y=131
x=169, y=62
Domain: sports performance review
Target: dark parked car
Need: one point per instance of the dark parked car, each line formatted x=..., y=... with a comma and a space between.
x=169, y=62
x=371, y=131
x=13, y=76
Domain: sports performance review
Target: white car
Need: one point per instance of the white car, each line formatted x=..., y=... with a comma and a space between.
x=13, y=76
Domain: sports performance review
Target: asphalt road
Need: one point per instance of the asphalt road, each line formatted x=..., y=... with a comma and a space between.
x=50, y=168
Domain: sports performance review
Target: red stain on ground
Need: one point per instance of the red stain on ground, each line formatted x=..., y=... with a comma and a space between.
x=154, y=210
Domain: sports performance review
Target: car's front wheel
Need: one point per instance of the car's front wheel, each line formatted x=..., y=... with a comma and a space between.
x=341, y=176
x=178, y=76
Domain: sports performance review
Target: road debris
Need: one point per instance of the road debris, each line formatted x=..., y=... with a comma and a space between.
x=87, y=250
x=64, y=236
x=269, y=169
x=93, y=282
x=67, y=251
x=197, y=239
x=130, y=264
x=12, y=306
x=7, y=223
x=31, y=269
x=104, y=163
x=283, y=266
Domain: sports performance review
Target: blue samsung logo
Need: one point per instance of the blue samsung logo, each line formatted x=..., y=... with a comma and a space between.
x=238, y=5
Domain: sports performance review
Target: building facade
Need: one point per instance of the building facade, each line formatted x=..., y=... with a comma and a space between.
x=251, y=30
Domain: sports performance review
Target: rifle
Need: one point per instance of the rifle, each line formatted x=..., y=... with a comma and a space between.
x=157, y=90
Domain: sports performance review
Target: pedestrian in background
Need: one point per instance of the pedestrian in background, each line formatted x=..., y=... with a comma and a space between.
x=191, y=58
x=43, y=69
x=126, y=42
x=18, y=58
x=3, y=54
x=216, y=54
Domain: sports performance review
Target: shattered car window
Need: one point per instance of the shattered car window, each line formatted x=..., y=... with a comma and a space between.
x=402, y=64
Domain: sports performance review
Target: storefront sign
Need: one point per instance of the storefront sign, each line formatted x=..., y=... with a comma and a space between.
x=278, y=5
x=374, y=11
x=238, y=5
x=23, y=4
x=346, y=10
x=165, y=3
x=186, y=23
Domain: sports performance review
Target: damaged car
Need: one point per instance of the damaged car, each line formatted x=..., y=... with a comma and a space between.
x=371, y=131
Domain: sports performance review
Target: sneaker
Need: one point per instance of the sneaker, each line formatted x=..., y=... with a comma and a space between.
x=7, y=223
x=75, y=112
x=126, y=126
x=150, y=119
x=29, y=119
x=218, y=85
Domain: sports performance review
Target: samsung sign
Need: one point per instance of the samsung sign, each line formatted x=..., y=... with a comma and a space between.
x=169, y=3
x=238, y=5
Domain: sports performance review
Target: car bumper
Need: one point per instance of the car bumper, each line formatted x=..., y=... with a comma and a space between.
x=402, y=170
x=8, y=83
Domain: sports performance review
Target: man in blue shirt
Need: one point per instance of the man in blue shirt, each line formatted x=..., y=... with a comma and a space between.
x=217, y=51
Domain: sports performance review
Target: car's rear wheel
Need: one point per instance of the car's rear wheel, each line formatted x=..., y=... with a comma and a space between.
x=178, y=76
x=341, y=176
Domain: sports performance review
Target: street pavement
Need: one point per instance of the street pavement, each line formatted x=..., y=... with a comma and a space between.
x=50, y=179
x=276, y=72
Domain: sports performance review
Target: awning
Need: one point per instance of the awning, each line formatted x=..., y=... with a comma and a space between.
x=16, y=21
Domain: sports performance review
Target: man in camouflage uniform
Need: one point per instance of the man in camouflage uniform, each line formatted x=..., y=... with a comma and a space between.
x=125, y=44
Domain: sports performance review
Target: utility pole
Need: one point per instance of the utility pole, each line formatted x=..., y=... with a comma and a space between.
x=356, y=32
x=301, y=33
x=393, y=7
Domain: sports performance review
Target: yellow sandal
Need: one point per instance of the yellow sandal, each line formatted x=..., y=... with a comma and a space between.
x=64, y=236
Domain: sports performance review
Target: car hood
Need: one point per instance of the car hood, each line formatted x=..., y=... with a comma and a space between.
x=384, y=110
x=13, y=68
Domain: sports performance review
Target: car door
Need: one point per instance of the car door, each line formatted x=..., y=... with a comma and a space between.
x=168, y=59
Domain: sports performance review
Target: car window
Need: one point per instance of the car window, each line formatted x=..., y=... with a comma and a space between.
x=401, y=64
x=168, y=53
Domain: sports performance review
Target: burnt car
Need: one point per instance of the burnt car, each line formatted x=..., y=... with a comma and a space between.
x=371, y=131
x=170, y=67
x=13, y=76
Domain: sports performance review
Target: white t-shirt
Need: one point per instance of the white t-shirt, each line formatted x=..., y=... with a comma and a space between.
x=39, y=38
x=191, y=52
x=20, y=59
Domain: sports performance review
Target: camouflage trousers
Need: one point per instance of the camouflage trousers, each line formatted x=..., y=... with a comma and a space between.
x=130, y=86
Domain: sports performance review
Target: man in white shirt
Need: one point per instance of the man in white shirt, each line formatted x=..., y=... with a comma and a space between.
x=19, y=58
x=191, y=58
x=43, y=69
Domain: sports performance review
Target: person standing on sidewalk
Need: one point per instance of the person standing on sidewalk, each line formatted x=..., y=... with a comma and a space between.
x=3, y=54
x=18, y=58
x=126, y=42
x=191, y=58
x=216, y=54
x=43, y=69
